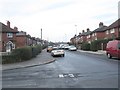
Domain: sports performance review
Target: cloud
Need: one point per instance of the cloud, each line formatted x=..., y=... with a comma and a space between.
x=58, y=17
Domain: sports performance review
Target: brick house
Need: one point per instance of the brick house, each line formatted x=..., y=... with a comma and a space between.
x=34, y=41
x=8, y=37
x=99, y=33
x=73, y=40
x=81, y=38
x=23, y=39
x=113, y=31
x=88, y=35
x=85, y=36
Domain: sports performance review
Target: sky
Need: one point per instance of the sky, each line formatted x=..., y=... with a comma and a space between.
x=60, y=20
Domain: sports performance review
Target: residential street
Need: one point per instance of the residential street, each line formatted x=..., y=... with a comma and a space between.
x=75, y=70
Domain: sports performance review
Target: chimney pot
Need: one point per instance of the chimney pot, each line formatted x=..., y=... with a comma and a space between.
x=8, y=24
x=79, y=33
x=100, y=24
x=88, y=29
x=83, y=31
x=15, y=28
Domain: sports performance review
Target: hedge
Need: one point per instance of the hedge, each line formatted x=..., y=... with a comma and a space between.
x=96, y=45
x=22, y=54
x=85, y=46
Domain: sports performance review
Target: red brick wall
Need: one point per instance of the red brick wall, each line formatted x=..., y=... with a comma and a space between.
x=116, y=34
x=84, y=38
x=21, y=41
x=100, y=35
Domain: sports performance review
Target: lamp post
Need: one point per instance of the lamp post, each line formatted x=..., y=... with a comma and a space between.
x=41, y=39
x=41, y=33
x=76, y=36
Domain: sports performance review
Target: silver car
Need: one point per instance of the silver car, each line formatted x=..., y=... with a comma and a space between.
x=72, y=48
x=57, y=52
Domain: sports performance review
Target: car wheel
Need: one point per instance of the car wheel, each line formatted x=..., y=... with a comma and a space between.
x=109, y=56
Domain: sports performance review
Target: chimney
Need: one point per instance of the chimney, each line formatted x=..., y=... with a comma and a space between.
x=83, y=31
x=15, y=28
x=100, y=24
x=88, y=29
x=8, y=24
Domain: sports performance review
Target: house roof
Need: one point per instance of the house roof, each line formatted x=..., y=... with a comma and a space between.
x=114, y=25
x=7, y=29
x=86, y=33
x=100, y=29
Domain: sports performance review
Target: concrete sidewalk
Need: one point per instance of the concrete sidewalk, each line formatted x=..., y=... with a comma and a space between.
x=99, y=52
x=42, y=58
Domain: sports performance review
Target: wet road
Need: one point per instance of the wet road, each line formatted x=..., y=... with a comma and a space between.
x=75, y=70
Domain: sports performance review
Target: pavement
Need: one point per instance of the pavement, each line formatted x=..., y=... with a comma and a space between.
x=99, y=52
x=41, y=59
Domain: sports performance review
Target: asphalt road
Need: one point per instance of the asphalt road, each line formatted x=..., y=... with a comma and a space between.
x=75, y=70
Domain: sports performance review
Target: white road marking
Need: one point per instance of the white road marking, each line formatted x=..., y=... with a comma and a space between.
x=71, y=75
x=61, y=75
x=66, y=75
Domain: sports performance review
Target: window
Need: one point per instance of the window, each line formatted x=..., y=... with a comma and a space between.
x=88, y=36
x=9, y=35
x=93, y=34
x=107, y=32
x=112, y=30
x=96, y=38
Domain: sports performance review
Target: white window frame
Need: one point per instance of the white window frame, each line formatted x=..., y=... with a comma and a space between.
x=10, y=35
x=88, y=36
x=95, y=34
x=95, y=38
x=112, y=30
x=107, y=32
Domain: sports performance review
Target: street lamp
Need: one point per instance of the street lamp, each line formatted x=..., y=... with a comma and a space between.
x=41, y=33
x=76, y=36
x=41, y=38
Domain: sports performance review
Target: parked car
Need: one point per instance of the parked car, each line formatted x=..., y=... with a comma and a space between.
x=72, y=48
x=113, y=49
x=57, y=52
x=66, y=47
x=49, y=48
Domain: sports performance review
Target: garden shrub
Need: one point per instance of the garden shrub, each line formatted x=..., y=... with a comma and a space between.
x=22, y=54
x=85, y=46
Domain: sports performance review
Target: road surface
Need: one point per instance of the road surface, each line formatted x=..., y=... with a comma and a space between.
x=75, y=70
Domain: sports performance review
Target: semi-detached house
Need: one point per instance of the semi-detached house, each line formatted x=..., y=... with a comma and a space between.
x=12, y=38
x=113, y=31
x=8, y=37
